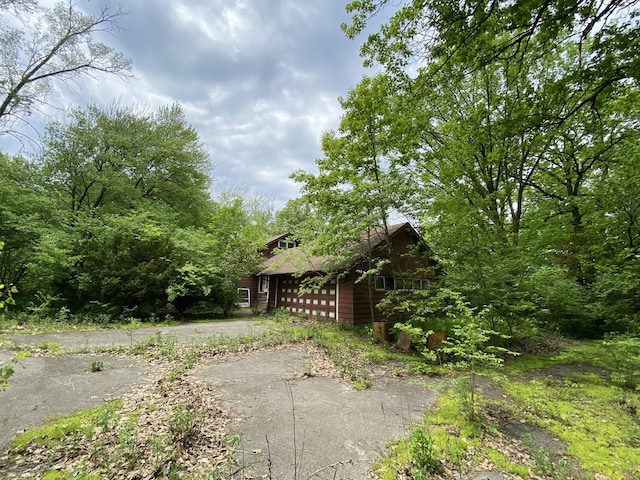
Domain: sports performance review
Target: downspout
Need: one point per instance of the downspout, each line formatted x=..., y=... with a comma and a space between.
x=277, y=289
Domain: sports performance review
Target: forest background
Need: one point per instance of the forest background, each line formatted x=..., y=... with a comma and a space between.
x=508, y=133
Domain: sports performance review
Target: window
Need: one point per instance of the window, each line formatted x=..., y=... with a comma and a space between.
x=385, y=283
x=244, y=300
x=400, y=283
x=263, y=284
x=286, y=244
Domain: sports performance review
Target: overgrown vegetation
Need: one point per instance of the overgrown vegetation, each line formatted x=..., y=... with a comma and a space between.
x=572, y=395
x=115, y=221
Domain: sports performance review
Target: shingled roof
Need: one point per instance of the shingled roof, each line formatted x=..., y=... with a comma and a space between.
x=301, y=259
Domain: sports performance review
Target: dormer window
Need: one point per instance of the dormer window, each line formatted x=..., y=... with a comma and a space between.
x=284, y=244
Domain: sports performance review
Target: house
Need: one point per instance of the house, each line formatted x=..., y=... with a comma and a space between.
x=287, y=267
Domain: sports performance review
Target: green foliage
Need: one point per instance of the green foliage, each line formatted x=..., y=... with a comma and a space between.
x=471, y=345
x=545, y=463
x=181, y=424
x=623, y=353
x=422, y=450
x=6, y=372
x=58, y=428
x=116, y=220
x=584, y=412
x=118, y=160
x=515, y=144
x=443, y=438
x=97, y=366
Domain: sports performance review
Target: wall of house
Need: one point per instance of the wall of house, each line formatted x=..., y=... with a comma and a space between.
x=250, y=283
x=357, y=306
x=362, y=305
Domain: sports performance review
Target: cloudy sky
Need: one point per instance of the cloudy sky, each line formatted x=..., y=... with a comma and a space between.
x=258, y=79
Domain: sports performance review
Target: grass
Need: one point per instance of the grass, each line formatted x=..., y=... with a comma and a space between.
x=61, y=428
x=596, y=418
x=451, y=436
x=585, y=412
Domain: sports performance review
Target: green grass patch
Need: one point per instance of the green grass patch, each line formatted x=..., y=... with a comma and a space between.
x=590, y=415
x=444, y=436
x=58, y=475
x=66, y=427
x=504, y=464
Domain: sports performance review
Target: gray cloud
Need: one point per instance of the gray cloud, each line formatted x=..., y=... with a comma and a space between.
x=258, y=79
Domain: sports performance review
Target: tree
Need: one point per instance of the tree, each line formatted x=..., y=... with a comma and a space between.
x=511, y=120
x=474, y=34
x=116, y=186
x=6, y=371
x=118, y=160
x=39, y=45
x=358, y=184
x=299, y=217
x=25, y=215
x=214, y=259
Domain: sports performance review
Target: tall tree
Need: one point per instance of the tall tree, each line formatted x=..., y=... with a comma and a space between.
x=26, y=214
x=40, y=44
x=516, y=126
x=122, y=182
x=358, y=185
x=118, y=160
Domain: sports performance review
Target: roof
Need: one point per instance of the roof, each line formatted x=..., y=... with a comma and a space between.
x=301, y=259
x=277, y=237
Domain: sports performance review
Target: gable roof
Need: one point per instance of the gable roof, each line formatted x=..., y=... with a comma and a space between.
x=277, y=237
x=301, y=259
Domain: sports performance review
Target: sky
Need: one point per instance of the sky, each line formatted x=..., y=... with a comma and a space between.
x=258, y=79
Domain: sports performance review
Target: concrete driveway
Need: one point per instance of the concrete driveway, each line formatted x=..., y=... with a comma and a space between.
x=294, y=426
x=183, y=333
x=289, y=423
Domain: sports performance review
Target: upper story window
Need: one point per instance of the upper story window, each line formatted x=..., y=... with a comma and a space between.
x=286, y=244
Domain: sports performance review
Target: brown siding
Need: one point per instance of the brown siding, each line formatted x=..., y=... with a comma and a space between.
x=359, y=309
x=345, y=302
x=362, y=306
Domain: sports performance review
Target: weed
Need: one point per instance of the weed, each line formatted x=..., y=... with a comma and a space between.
x=158, y=445
x=181, y=424
x=307, y=367
x=128, y=445
x=173, y=470
x=6, y=372
x=97, y=366
x=51, y=347
x=423, y=452
x=545, y=463
x=361, y=384
x=504, y=464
